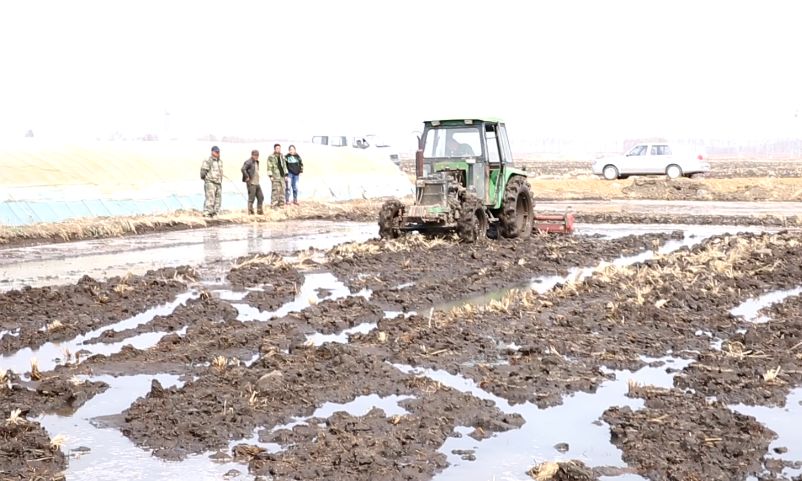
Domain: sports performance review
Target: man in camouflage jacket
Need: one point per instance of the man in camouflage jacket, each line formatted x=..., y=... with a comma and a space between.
x=211, y=173
x=277, y=170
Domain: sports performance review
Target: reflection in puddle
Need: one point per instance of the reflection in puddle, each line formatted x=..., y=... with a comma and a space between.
x=50, y=354
x=318, y=339
x=508, y=455
x=784, y=422
x=749, y=309
x=307, y=295
x=63, y=263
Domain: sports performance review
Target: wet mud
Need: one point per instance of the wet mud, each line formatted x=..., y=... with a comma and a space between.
x=273, y=282
x=415, y=273
x=271, y=394
x=707, y=441
x=203, y=308
x=26, y=449
x=53, y=314
x=230, y=402
x=695, y=218
x=27, y=452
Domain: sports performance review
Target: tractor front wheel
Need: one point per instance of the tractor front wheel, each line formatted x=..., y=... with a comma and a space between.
x=473, y=222
x=390, y=219
x=517, y=209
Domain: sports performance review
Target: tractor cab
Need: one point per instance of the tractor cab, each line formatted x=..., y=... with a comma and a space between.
x=470, y=152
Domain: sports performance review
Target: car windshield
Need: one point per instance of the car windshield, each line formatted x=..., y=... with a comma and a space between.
x=453, y=142
x=637, y=150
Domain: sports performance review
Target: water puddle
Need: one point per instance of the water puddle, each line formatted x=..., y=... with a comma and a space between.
x=228, y=295
x=111, y=455
x=12, y=333
x=52, y=353
x=784, y=422
x=508, y=455
x=358, y=407
x=208, y=248
x=750, y=308
x=319, y=339
x=307, y=295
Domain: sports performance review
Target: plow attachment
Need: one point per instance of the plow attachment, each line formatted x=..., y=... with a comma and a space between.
x=557, y=223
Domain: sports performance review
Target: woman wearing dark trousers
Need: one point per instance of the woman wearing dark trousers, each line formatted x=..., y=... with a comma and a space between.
x=295, y=167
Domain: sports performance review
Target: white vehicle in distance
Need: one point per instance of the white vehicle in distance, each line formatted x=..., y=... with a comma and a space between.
x=372, y=143
x=651, y=159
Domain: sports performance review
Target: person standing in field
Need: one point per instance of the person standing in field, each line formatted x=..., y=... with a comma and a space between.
x=250, y=175
x=295, y=167
x=211, y=172
x=277, y=170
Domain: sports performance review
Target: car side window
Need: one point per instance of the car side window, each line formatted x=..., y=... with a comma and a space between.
x=661, y=150
x=638, y=150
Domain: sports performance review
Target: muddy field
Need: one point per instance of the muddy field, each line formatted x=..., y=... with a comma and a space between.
x=664, y=355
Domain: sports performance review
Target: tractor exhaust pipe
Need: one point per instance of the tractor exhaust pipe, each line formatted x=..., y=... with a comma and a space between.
x=419, y=160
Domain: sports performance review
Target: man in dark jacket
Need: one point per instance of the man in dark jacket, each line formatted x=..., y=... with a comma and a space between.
x=250, y=175
x=295, y=167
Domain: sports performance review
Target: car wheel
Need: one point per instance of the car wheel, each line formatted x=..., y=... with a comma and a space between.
x=610, y=172
x=673, y=171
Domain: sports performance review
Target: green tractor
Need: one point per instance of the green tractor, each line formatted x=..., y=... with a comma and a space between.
x=465, y=182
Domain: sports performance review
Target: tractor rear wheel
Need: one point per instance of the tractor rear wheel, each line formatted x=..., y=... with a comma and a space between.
x=390, y=219
x=473, y=222
x=517, y=209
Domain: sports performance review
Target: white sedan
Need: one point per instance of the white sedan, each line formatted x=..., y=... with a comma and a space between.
x=650, y=159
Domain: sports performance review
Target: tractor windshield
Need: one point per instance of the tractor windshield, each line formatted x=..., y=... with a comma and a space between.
x=453, y=142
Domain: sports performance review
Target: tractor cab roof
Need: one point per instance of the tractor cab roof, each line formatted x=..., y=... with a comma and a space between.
x=464, y=121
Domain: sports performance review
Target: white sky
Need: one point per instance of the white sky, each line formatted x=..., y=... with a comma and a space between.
x=578, y=69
